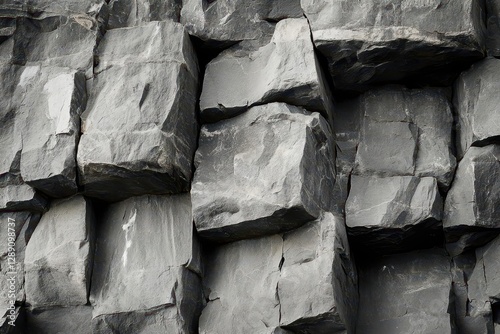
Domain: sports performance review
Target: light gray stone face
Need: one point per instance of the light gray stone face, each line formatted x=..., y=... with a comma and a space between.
x=405, y=293
x=472, y=204
x=145, y=267
x=285, y=70
x=252, y=285
x=140, y=137
x=59, y=255
x=372, y=41
x=21, y=198
x=138, y=12
x=74, y=319
x=386, y=212
x=227, y=21
x=477, y=105
x=265, y=171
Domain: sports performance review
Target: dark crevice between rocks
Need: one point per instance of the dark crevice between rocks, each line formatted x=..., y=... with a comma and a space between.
x=495, y=310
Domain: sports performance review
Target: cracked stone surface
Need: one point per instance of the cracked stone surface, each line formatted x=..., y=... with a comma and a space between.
x=373, y=41
x=284, y=70
x=141, y=137
x=476, y=102
x=267, y=170
x=146, y=242
x=247, y=279
x=59, y=255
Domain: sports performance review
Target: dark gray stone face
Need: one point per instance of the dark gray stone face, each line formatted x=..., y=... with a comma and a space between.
x=75, y=319
x=138, y=12
x=140, y=137
x=267, y=170
x=374, y=41
x=405, y=293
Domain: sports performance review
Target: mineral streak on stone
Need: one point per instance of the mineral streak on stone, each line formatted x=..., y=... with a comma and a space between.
x=392, y=213
x=266, y=273
x=59, y=255
x=140, y=136
x=285, y=70
x=476, y=103
x=405, y=293
x=373, y=41
x=146, y=269
x=267, y=170
x=137, y=12
x=472, y=207
x=223, y=22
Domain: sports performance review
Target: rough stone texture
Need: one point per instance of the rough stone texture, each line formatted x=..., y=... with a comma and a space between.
x=252, y=285
x=373, y=41
x=137, y=12
x=47, y=8
x=21, y=198
x=405, y=293
x=141, y=137
x=476, y=103
x=473, y=202
x=265, y=171
x=285, y=70
x=146, y=265
x=59, y=320
x=224, y=22
x=493, y=27
x=393, y=212
x=59, y=255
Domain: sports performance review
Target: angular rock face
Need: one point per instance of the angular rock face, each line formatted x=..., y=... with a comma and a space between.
x=265, y=171
x=493, y=27
x=59, y=255
x=252, y=285
x=228, y=21
x=374, y=41
x=476, y=102
x=48, y=8
x=134, y=13
x=473, y=202
x=21, y=198
x=405, y=293
x=145, y=272
x=393, y=212
x=75, y=319
x=140, y=138
x=285, y=70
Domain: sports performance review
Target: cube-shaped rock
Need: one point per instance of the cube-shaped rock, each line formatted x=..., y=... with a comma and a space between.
x=140, y=137
x=472, y=207
x=267, y=170
x=476, y=102
x=393, y=212
x=285, y=70
x=59, y=255
x=373, y=41
x=405, y=293
x=146, y=267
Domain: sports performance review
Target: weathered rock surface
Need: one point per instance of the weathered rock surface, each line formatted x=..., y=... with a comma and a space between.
x=285, y=70
x=476, y=102
x=405, y=293
x=393, y=213
x=374, y=41
x=59, y=255
x=228, y=21
x=137, y=12
x=59, y=320
x=146, y=265
x=21, y=198
x=252, y=285
x=46, y=8
x=472, y=206
x=493, y=27
x=140, y=138
x=267, y=170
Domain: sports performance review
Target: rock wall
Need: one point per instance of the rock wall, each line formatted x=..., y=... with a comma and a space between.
x=267, y=166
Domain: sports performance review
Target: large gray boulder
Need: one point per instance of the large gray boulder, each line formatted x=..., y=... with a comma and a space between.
x=284, y=70
x=252, y=285
x=146, y=267
x=472, y=207
x=267, y=170
x=140, y=138
x=21, y=197
x=476, y=103
x=373, y=41
x=405, y=293
x=59, y=255
x=393, y=213
x=224, y=22
x=138, y=12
